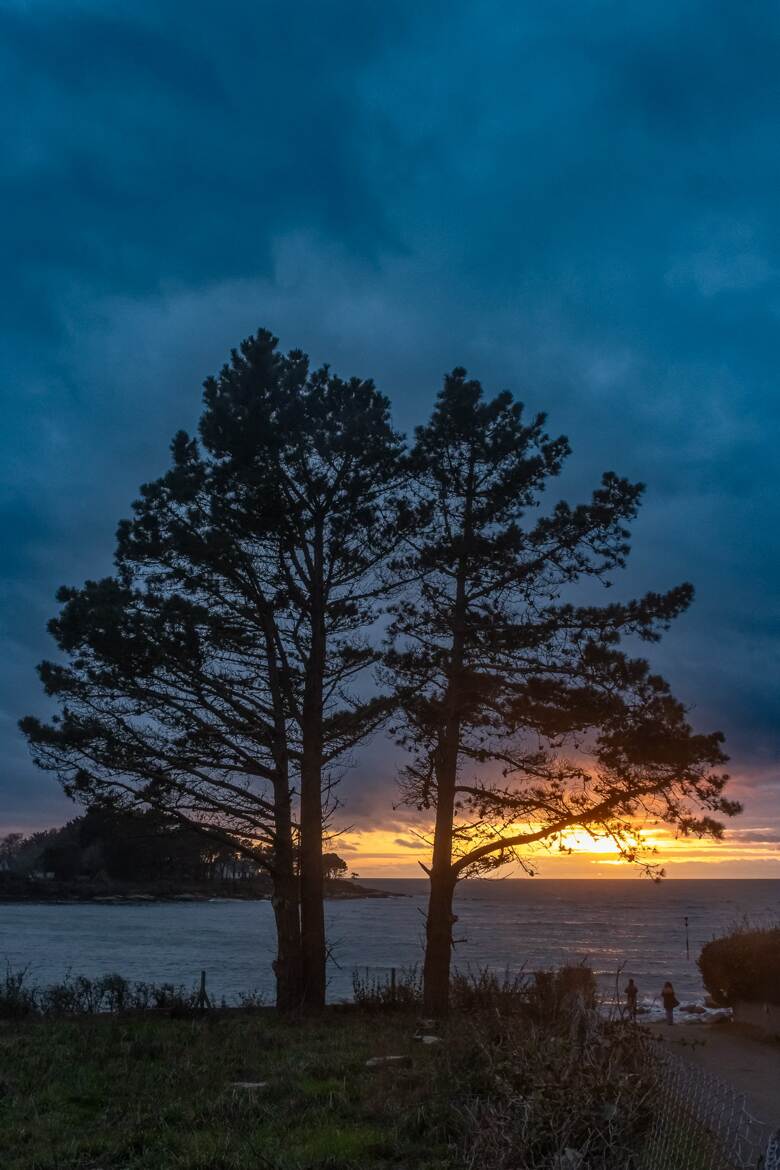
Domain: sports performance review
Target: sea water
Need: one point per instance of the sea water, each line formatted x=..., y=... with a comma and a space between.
x=623, y=928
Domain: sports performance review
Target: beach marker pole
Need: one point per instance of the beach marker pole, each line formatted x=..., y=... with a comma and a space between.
x=687, y=944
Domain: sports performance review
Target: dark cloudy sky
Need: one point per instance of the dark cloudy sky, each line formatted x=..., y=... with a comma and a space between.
x=576, y=201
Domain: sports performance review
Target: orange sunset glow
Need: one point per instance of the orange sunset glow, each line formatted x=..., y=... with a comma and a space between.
x=746, y=852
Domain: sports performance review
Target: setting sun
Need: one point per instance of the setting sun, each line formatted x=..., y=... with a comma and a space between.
x=745, y=852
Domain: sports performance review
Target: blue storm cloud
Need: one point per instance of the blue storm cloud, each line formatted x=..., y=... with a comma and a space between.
x=578, y=202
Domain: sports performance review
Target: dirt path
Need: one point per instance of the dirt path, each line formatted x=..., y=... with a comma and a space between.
x=737, y=1054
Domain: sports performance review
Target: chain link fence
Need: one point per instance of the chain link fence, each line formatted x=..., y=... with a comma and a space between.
x=701, y=1123
x=698, y=1122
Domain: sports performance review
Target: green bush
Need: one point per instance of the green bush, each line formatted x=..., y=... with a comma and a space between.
x=743, y=965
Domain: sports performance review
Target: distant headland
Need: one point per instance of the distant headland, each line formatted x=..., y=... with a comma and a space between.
x=110, y=855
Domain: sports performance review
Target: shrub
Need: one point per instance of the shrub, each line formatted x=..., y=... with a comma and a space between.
x=16, y=998
x=378, y=991
x=743, y=965
x=576, y=1092
x=251, y=1000
x=485, y=990
x=544, y=996
x=553, y=993
x=79, y=996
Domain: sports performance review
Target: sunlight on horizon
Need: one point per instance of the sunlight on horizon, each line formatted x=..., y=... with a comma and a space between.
x=399, y=852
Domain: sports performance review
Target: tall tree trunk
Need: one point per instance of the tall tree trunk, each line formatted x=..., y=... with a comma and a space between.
x=438, y=928
x=312, y=881
x=288, y=966
x=438, y=925
x=440, y=920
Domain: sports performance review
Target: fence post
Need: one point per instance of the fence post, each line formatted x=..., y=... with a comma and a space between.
x=203, y=1000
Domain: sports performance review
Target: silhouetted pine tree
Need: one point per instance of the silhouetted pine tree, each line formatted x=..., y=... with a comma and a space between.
x=210, y=678
x=525, y=718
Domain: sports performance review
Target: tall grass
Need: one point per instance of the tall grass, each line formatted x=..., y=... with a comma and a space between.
x=540, y=994
x=565, y=1094
x=76, y=995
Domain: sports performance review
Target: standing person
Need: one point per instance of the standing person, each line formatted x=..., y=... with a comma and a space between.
x=670, y=1001
x=632, y=991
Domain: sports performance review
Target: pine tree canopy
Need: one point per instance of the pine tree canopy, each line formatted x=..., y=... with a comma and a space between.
x=186, y=673
x=525, y=715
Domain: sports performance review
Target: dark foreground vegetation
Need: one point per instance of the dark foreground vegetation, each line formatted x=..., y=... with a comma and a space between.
x=743, y=965
x=518, y=1076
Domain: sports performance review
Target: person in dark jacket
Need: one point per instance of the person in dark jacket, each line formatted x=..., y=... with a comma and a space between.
x=632, y=991
x=670, y=1001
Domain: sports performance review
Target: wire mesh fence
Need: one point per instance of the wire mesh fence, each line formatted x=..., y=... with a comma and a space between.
x=772, y=1161
x=698, y=1122
x=701, y=1123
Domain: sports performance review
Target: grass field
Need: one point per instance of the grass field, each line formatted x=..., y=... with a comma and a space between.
x=522, y=1075
x=156, y=1093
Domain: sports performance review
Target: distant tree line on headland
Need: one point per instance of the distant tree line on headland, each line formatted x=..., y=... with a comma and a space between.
x=302, y=577
x=135, y=847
